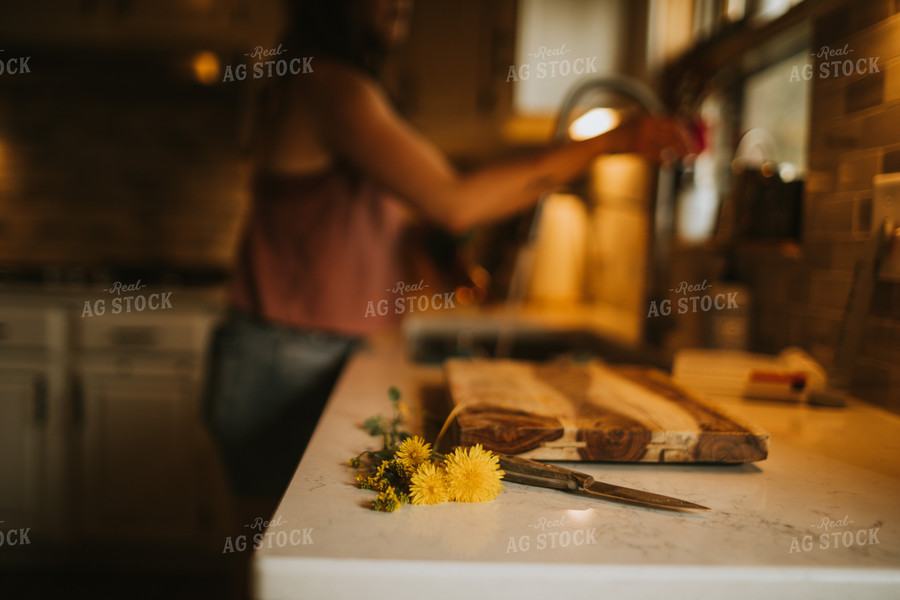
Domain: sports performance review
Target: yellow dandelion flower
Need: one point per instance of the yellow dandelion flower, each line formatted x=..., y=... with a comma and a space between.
x=428, y=485
x=473, y=475
x=386, y=501
x=413, y=451
x=370, y=483
x=404, y=410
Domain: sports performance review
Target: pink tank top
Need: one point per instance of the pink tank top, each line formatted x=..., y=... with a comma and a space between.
x=317, y=249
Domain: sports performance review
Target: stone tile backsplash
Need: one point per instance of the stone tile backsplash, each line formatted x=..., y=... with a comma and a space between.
x=855, y=134
x=116, y=168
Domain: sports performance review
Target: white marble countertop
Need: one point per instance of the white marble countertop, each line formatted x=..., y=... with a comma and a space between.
x=820, y=518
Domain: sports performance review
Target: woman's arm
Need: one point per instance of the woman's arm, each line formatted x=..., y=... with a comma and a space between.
x=358, y=123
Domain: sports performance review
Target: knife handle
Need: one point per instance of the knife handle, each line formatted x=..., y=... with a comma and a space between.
x=531, y=472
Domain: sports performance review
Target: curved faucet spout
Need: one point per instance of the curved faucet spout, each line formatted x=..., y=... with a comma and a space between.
x=646, y=99
x=632, y=88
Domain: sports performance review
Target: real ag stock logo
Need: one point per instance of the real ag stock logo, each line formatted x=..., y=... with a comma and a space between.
x=127, y=303
x=17, y=65
x=832, y=540
x=269, y=539
x=407, y=302
x=694, y=303
x=268, y=68
x=556, y=66
x=14, y=537
x=554, y=533
x=842, y=67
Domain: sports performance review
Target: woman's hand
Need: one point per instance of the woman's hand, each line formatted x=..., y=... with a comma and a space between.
x=659, y=139
x=357, y=124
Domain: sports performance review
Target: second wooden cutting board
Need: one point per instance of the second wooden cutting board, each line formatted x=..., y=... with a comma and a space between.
x=592, y=412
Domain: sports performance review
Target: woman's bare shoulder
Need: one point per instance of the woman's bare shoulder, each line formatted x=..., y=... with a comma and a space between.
x=333, y=85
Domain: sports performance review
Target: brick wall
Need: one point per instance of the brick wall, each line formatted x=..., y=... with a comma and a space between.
x=854, y=135
x=108, y=161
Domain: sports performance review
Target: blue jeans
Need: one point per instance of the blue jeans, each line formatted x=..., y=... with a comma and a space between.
x=265, y=390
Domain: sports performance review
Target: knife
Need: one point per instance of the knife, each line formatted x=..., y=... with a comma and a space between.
x=532, y=472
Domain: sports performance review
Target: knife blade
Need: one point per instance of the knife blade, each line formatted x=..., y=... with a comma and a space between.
x=619, y=492
x=532, y=472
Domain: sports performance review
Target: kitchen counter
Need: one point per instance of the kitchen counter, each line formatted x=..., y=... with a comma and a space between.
x=534, y=332
x=819, y=518
x=209, y=298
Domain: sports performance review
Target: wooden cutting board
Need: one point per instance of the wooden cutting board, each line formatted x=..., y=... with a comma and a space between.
x=593, y=412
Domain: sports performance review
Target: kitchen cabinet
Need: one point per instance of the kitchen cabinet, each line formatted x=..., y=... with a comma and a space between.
x=138, y=467
x=450, y=80
x=32, y=440
x=22, y=453
x=101, y=437
x=132, y=23
x=139, y=381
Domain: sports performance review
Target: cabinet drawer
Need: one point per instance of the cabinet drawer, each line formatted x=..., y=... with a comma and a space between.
x=152, y=332
x=24, y=327
x=139, y=476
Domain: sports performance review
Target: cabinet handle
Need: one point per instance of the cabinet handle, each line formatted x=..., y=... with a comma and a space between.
x=77, y=403
x=134, y=336
x=40, y=400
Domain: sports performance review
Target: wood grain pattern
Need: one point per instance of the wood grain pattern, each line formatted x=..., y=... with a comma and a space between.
x=515, y=431
x=593, y=412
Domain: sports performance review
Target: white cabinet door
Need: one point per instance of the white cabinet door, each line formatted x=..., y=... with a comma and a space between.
x=23, y=416
x=138, y=456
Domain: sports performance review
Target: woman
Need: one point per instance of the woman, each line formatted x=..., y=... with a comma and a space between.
x=341, y=179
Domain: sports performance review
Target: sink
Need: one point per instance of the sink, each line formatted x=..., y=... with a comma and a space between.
x=524, y=333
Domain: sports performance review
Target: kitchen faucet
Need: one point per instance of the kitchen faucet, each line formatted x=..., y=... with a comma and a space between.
x=647, y=100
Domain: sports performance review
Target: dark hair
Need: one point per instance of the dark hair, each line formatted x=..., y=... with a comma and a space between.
x=335, y=29
x=322, y=29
